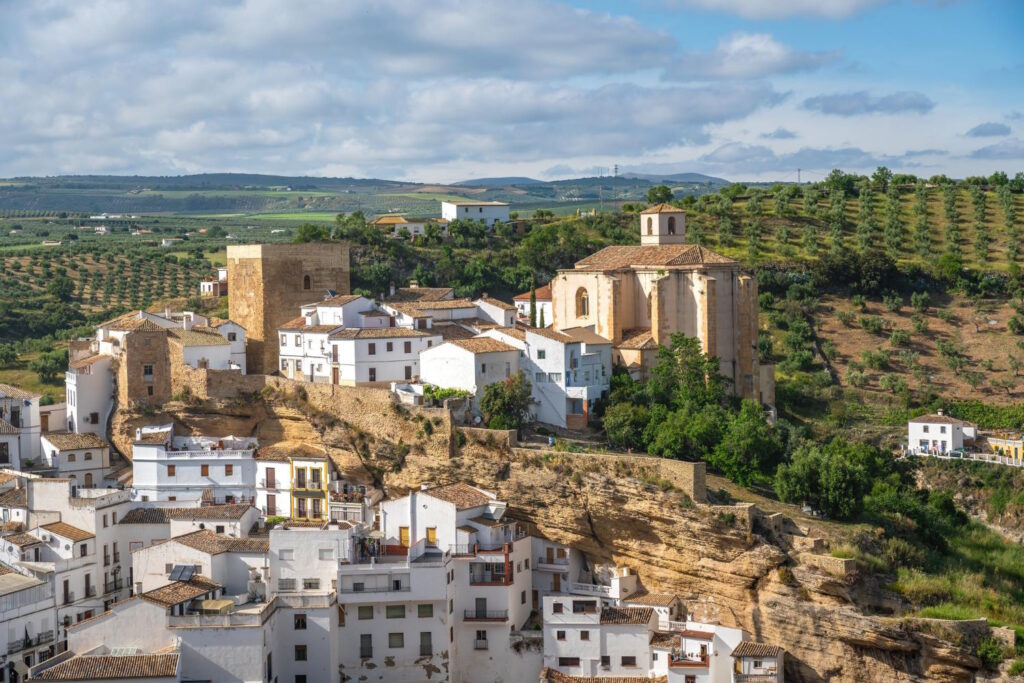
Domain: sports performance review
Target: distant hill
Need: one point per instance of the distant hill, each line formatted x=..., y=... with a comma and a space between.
x=499, y=182
x=678, y=178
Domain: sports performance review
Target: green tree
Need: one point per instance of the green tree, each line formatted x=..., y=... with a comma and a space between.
x=690, y=433
x=880, y=179
x=625, y=423
x=922, y=229
x=659, y=194
x=49, y=365
x=7, y=355
x=61, y=286
x=683, y=373
x=749, y=447
x=893, y=224
x=865, y=217
x=533, y=305
x=506, y=404
x=310, y=232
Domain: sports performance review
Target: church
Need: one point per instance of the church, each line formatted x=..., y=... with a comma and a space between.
x=638, y=296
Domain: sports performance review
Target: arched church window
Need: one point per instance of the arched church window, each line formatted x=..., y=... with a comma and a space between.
x=582, y=303
x=671, y=225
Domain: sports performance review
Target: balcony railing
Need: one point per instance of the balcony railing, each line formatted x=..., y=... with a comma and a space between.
x=117, y=557
x=558, y=562
x=90, y=591
x=491, y=580
x=270, y=484
x=479, y=644
x=403, y=588
x=106, y=560
x=111, y=586
x=486, y=615
x=30, y=642
x=69, y=597
x=589, y=589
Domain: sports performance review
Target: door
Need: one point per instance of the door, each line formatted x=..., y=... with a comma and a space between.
x=403, y=536
x=271, y=505
x=551, y=555
x=432, y=536
x=334, y=373
x=88, y=480
x=481, y=607
x=271, y=484
x=44, y=422
x=556, y=583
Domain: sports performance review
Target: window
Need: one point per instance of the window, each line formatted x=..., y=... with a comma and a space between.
x=408, y=372
x=556, y=608
x=84, y=551
x=606, y=662
x=582, y=303
x=298, y=340
x=300, y=678
x=88, y=456
x=690, y=679
x=395, y=612
x=522, y=598
x=942, y=429
x=451, y=606
x=147, y=372
x=407, y=347
x=113, y=518
x=229, y=470
x=650, y=225
x=426, y=646
x=311, y=584
x=300, y=653
x=104, y=521
x=94, y=418
x=540, y=377
x=628, y=661
x=171, y=469
x=424, y=611
x=284, y=365
x=300, y=622
x=671, y=225
x=365, y=645
x=149, y=391
x=204, y=470
x=568, y=661
x=541, y=354
x=396, y=640
x=286, y=554
x=326, y=553
x=559, y=635
x=389, y=347
x=306, y=282
x=71, y=457
x=483, y=368
x=373, y=374
x=371, y=349
x=366, y=611
x=584, y=635
x=925, y=429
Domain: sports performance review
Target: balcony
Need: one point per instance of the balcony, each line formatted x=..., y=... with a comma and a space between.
x=69, y=597
x=30, y=642
x=489, y=579
x=479, y=644
x=112, y=586
x=106, y=560
x=486, y=615
x=590, y=589
x=555, y=564
x=90, y=591
x=402, y=588
x=269, y=484
x=117, y=557
x=755, y=678
x=679, y=660
x=307, y=485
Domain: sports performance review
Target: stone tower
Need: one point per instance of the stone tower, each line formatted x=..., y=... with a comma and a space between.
x=267, y=283
x=662, y=224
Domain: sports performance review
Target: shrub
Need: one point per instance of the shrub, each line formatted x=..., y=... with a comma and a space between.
x=893, y=383
x=1016, y=324
x=1017, y=667
x=798, y=360
x=876, y=360
x=944, y=315
x=919, y=323
x=894, y=302
x=920, y=301
x=872, y=324
x=829, y=349
x=765, y=300
x=845, y=317
x=856, y=378
x=991, y=652
x=860, y=301
x=899, y=338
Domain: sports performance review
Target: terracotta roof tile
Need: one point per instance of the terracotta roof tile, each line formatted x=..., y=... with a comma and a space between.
x=662, y=208
x=749, y=648
x=663, y=639
x=585, y=335
x=181, y=591
x=214, y=544
x=638, y=339
x=549, y=333
x=379, y=333
x=444, y=304
x=16, y=392
x=504, y=305
x=339, y=300
x=452, y=331
x=543, y=294
x=482, y=345
x=626, y=615
x=389, y=219
x=199, y=337
x=70, y=441
x=645, y=597
x=86, y=361
x=462, y=495
x=658, y=256
x=111, y=667
x=548, y=675
x=421, y=294
x=287, y=450
x=939, y=419
x=294, y=325
x=14, y=498
x=67, y=531
x=21, y=540
x=163, y=515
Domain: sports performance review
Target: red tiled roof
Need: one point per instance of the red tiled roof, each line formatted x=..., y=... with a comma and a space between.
x=112, y=667
x=67, y=531
x=657, y=256
x=626, y=615
x=749, y=648
x=543, y=294
x=462, y=495
x=181, y=591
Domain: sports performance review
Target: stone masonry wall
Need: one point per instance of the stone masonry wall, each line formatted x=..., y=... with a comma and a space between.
x=266, y=287
x=142, y=348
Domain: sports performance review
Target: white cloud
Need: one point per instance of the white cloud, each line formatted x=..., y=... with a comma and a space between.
x=988, y=130
x=779, y=9
x=862, y=102
x=747, y=55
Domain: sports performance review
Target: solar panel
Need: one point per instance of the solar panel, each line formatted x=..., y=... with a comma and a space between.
x=124, y=651
x=187, y=571
x=176, y=572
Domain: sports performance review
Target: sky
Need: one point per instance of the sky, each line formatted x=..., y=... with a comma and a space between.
x=448, y=90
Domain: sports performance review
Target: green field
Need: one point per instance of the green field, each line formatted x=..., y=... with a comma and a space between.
x=302, y=216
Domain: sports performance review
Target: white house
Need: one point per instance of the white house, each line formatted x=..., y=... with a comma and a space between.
x=235, y=336
x=292, y=480
x=469, y=364
x=583, y=637
x=82, y=458
x=543, y=305
x=381, y=354
x=568, y=371
x=89, y=392
x=20, y=409
x=758, y=663
x=488, y=212
x=938, y=433
x=187, y=468
x=203, y=347
x=30, y=620
x=394, y=224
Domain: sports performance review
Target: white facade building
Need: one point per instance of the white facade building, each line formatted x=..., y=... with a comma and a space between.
x=29, y=618
x=938, y=433
x=488, y=212
x=543, y=306
x=20, y=409
x=188, y=468
x=469, y=364
x=89, y=394
x=82, y=458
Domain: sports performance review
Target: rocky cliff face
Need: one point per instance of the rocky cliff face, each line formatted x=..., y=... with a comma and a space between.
x=617, y=513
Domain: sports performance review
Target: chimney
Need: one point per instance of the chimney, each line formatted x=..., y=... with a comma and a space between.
x=940, y=412
x=413, y=284
x=392, y=289
x=138, y=434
